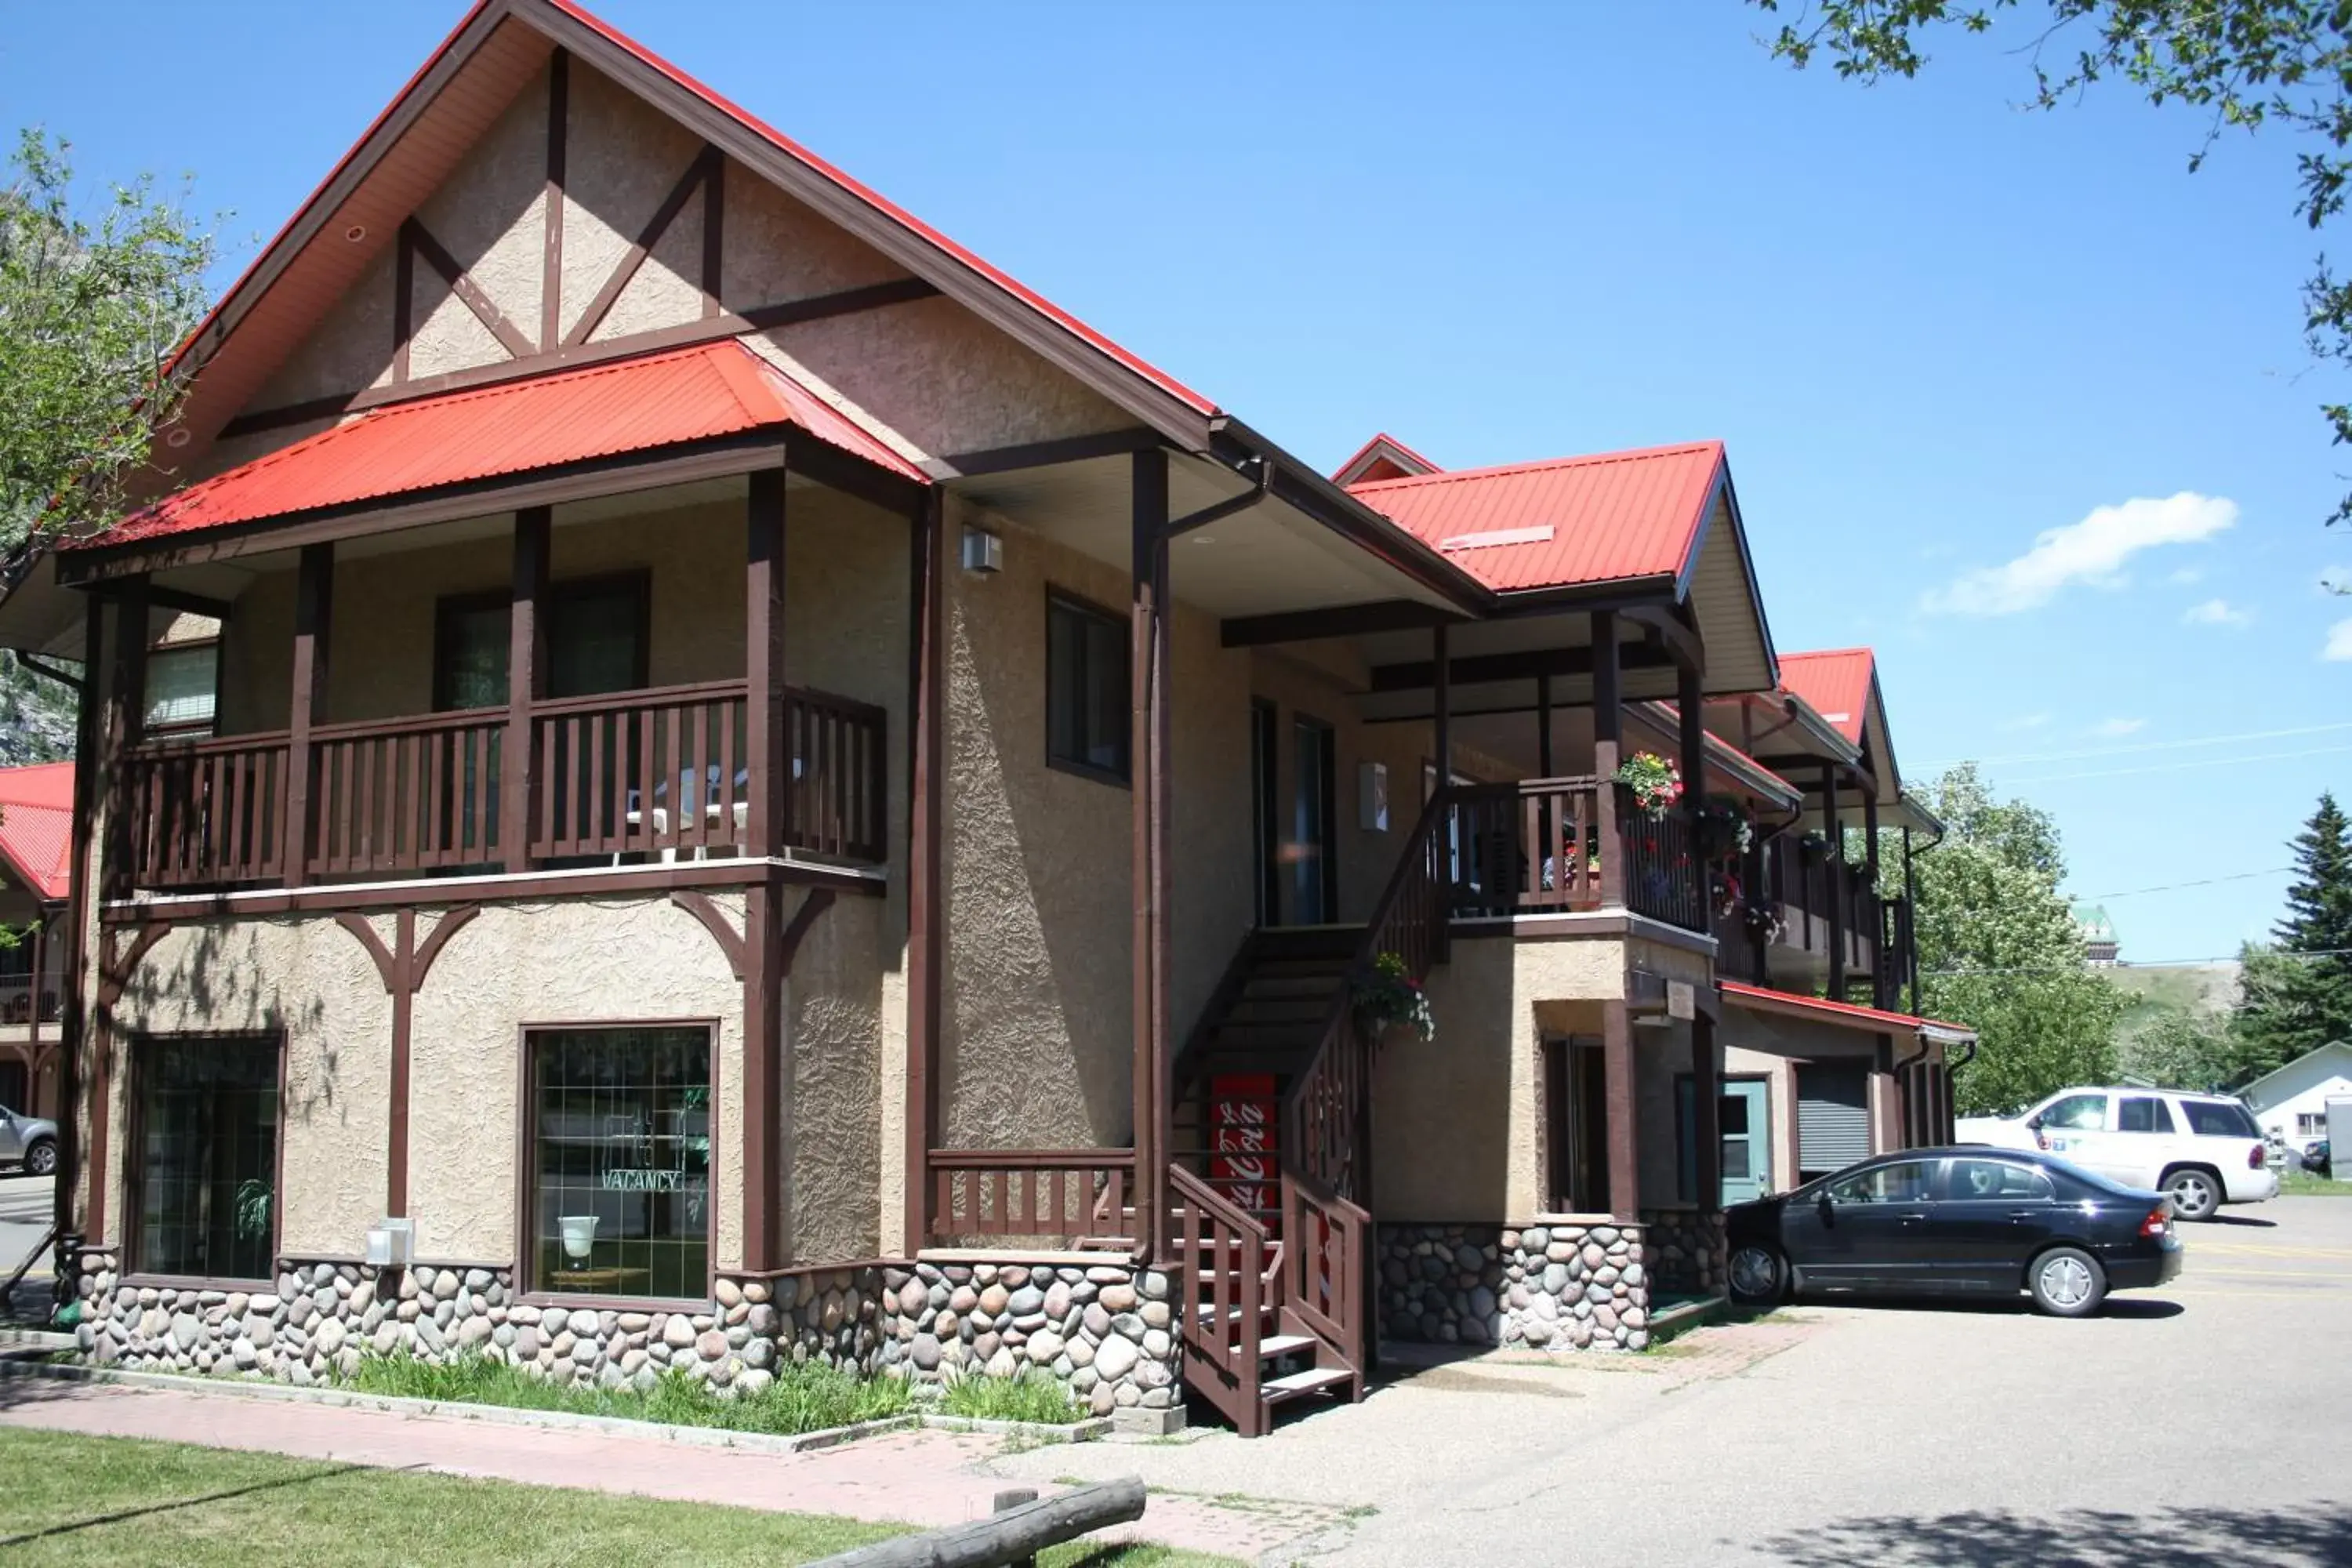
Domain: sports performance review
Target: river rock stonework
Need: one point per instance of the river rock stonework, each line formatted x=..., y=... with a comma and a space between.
x=1566, y=1287
x=322, y=1317
x=1105, y=1329
x=1685, y=1250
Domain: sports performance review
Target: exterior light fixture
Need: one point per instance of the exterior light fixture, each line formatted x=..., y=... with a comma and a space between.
x=179, y=436
x=579, y=1232
x=356, y=233
x=392, y=1243
x=983, y=550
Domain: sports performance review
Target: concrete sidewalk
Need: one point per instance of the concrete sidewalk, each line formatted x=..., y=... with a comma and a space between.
x=920, y=1478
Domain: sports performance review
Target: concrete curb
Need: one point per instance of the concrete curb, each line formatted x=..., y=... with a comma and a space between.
x=505, y=1415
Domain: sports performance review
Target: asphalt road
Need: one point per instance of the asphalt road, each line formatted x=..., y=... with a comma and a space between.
x=2208, y=1423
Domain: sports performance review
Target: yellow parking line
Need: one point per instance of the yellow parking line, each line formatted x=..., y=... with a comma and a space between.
x=2257, y=1249
x=2344, y=1276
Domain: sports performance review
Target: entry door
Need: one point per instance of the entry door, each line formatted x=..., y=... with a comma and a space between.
x=1744, y=1120
x=1314, y=885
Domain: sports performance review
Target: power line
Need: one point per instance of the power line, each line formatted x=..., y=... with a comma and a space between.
x=2176, y=886
x=2147, y=746
x=2178, y=767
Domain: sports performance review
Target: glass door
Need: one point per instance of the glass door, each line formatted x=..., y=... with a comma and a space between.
x=1314, y=890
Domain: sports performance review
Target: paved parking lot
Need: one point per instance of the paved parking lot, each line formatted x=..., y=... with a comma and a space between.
x=2208, y=1422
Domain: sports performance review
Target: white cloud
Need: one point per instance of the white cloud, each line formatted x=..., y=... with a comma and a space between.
x=2215, y=612
x=2116, y=729
x=2092, y=551
x=2027, y=721
x=2185, y=575
x=2339, y=641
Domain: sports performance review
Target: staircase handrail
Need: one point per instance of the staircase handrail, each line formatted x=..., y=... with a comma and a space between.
x=1214, y=1325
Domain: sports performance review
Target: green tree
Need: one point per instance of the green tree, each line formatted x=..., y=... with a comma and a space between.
x=2298, y=993
x=1999, y=950
x=92, y=308
x=2241, y=64
x=2183, y=1049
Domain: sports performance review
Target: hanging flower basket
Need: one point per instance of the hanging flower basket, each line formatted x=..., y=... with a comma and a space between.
x=1392, y=999
x=1655, y=782
x=1725, y=832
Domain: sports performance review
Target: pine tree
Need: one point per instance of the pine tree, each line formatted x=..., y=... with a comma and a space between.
x=2298, y=993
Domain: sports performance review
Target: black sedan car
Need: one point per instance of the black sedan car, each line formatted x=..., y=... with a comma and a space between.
x=1971, y=1221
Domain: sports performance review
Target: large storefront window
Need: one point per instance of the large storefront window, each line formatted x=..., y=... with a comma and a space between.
x=207, y=1156
x=620, y=1157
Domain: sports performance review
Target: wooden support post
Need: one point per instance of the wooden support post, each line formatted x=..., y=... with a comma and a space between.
x=766, y=1199
x=1837, y=912
x=74, y=1027
x=1148, y=769
x=526, y=684
x=1617, y=1077
x=1543, y=725
x=314, y=615
x=1442, y=700
x=767, y=823
x=925, y=894
x=1911, y=900
x=1882, y=988
x=1608, y=734
x=1706, y=1092
x=126, y=703
x=1690, y=714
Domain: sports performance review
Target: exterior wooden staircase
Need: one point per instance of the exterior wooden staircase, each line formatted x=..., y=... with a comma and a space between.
x=1269, y=1174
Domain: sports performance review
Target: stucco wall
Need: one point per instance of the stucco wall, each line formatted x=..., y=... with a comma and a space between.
x=1774, y=1045
x=1038, y=1047
x=1458, y=1129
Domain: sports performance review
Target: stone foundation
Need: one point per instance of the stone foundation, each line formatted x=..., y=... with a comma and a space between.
x=321, y=1317
x=1103, y=1329
x=1685, y=1250
x=1559, y=1287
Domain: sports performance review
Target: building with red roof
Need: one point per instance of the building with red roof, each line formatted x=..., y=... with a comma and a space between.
x=672, y=736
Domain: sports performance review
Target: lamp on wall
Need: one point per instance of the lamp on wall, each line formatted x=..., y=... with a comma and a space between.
x=983, y=550
x=579, y=1233
x=1372, y=797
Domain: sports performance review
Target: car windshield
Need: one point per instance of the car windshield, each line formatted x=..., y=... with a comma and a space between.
x=2219, y=1119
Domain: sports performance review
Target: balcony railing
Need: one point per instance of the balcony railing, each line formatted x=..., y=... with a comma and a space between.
x=1540, y=846
x=625, y=776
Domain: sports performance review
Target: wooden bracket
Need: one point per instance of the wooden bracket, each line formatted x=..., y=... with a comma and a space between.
x=714, y=920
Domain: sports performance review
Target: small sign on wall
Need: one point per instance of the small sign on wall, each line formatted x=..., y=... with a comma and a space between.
x=1372, y=797
x=1681, y=999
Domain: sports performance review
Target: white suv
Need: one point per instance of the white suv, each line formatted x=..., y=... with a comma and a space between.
x=2202, y=1150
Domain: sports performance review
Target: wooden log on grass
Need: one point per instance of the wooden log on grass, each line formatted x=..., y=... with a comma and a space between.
x=1013, y=1534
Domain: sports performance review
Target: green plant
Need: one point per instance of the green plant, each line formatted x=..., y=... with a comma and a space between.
x=1393, y=996
x=805, y=1397
x=252, y=1209
x=1031, y=1396
x=1656, y=783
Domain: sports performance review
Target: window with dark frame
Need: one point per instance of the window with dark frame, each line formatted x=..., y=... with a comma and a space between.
x=620, y=1162
x=597, y=632
x=1087, y=688
x=183, y=689
x=205, y=1171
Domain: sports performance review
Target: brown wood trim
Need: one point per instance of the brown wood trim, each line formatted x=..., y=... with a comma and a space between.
x=1482, y=669
x=396, y=1180
x=388, y=965
x=696, y=177
x=817, y=902
x=683, y=334
x=314, y=603
x=802, y=1270
x=165, y=598
x=403, y=311
x=594, y=882
x=558, y=132
x=1147, y=763
x=925, y=903
x=714, y=919
x=1343, y=621
x=764, y=1072
x=114, y=970
x=526, y=668
x=74, y=1030
x=814, y=457
x=1623, y=1155
x=448, y=926
x=587, y=1303
x=461, y=283
x=714, y=234
x=763, y=661
x=1042, y=454
x=136, y=1281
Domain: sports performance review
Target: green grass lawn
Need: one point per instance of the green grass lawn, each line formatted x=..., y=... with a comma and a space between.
x=2302, y=1184
x=69, y=1498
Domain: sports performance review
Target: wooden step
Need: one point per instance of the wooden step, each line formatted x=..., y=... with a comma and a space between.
x=1274, y=1390
x=1277, y=1345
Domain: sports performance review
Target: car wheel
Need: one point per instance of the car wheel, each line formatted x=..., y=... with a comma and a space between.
x=1758, y=1276
x=2195, y=1191
x=2068, y=1282
x=41, y=1159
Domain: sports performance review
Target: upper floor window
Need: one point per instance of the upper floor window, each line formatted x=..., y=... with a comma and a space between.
x=596, y=641
x=181, y=683
x=1087, y=692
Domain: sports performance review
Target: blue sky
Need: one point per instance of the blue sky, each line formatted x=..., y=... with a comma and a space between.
x=1933, y=328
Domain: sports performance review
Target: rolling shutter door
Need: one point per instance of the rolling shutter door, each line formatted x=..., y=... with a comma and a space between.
x=1833, y=1117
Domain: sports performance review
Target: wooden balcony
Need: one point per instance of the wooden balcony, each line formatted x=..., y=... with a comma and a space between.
x=1810, y=908
x=1556, y=846
x=627, y=777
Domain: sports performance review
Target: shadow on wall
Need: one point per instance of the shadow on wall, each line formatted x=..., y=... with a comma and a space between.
x=1442, y=1120
x=218, y=985
x=2079, y=1537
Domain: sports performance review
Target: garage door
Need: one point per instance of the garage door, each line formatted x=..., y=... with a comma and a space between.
x=1833, y=1118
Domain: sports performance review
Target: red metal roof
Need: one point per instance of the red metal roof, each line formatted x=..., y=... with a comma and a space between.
x=630, y=406
x=1834, y=682
x=1384, y=452
x=1570, y=520
x=1835, y=1012
x=783, y=143
x=36, y=827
